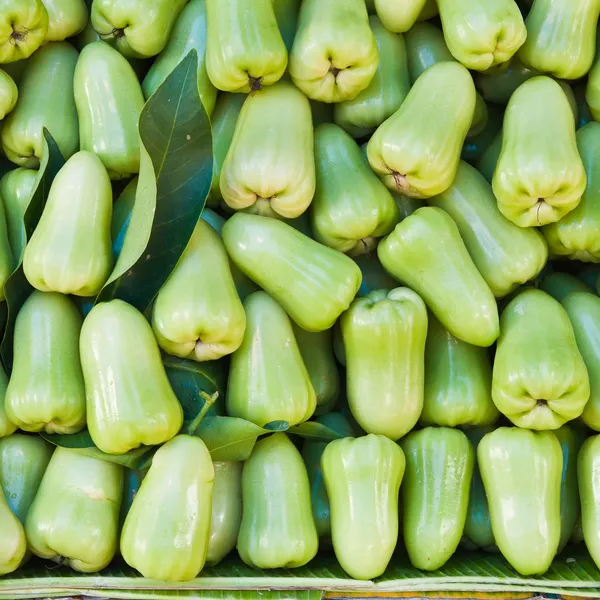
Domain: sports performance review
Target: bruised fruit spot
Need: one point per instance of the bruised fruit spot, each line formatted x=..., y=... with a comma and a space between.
x=399, y=180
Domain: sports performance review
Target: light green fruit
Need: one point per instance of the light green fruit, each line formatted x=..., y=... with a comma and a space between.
x=351, y=208
x=499, y=83
x=75, y=515
x=129, y=399
x=539, y=378
x=16, y=188
x=539, y=177
x=505, y=255
x=189, y=33
x=138, y=28
x=269, y=168
x=45, y=100
x=244, y=48
x=23, y=28
x=277, y=527
x=407, y=150
x=70, y=249
x=13, y=543
x=384, y=340
x=66, y=18
x=482, y=33
x=46, y=391
x=399, y=17
x=577, y=234
x=387, y=90
x=7, y=427
x=109, y=101
x=7, y=260
x=314, y=284
x=588, y=476
x=335, y=54
x=268, y=380
x=197, y=313
x=166, y=532
x=561, y=37
x=8, y=93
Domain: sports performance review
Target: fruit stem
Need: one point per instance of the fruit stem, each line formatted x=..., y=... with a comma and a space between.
x=209, y=400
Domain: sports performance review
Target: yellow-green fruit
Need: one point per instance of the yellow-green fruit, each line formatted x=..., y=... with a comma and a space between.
x=244, y=48
x=277, y=527
x=138, y=28
x=166, y=532
x=407, y=150
x=13, y=543
x=46, y=390
x=70, y=249
x=66, y=18
x=7, y=261
x=23, y=28
x=109, y=101
x=269, y=168
x=16, y=187
x=197, y=313
x=129, y=399
x=8, y=93
x=189, y=32
x=399, y=17
x=75, y=515
x=7, y=427
x=539, y=176
x=45, y=100
x=335, y=54
x=268, y=380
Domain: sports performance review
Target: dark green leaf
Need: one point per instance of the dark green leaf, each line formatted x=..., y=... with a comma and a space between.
x=82, y=443
x=175, y=178
x=17, y=288
x=315, y=431
x=277, y=426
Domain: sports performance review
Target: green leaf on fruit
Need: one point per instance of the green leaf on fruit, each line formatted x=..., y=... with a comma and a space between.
x=17, y=289
x=315, y=431
x=174, y=180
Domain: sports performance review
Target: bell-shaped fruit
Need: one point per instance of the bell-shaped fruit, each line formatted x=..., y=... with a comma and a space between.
x=561, y=37
x=435, y=494
x=7, y=427
x=66, y=18
x=591, y=98
x=226, y=513
x=16, y=188
x=223, y=121
x=8, y=93
x=7, y=260
x=583, y=309
x=13, y=543
x=387, y=90
x=129, y=399
x=539, y=380
x=269, y=168
x=189, y=33
x=311, y=453
x=426, y=252
x=24, y=25
x=481, y=34
x=313, y=283
x=46, y=389
x=478, y=526
x=521, y=473
x=70, y=249
x=109, y=101
x=577, y=234
x=277, y=527
x=244, y=48
x=317, y=353
x=138, y=28
x=588, y=477
x=498, y=84
x=23, y=462
x=74, y=517
x=351, y=208
x=335, y=54
x=399, y=17
x=384, y=340
x=197, y=313
x=45, y=100
x=539, y=177
x=268, y=380
x=166, y=531
x=362, y=477
x=504, y=254
x=407, y=150
x=458, y=379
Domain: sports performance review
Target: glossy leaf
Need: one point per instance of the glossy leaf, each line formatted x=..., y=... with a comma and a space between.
x=315, y=431
x=175, y=177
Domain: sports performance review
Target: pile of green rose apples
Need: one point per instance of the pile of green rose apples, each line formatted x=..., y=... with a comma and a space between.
x=400, y=248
